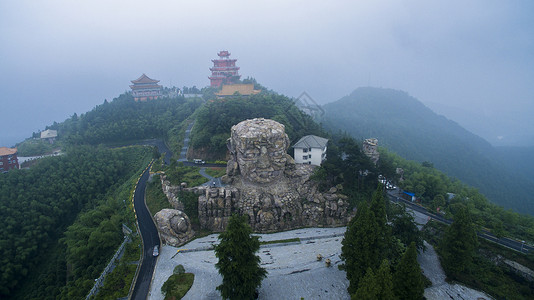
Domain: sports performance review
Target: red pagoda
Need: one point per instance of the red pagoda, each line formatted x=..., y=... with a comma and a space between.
x=224, y=70
x=145, y=88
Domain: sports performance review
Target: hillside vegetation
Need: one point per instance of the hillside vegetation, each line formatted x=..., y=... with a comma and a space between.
x=404, y=125
x=215, y=118
x=60, y=220
x=123, y=120
x=38, y=205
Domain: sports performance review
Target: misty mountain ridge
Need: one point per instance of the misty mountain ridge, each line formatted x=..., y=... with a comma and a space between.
x=406, y=126
x=505, y=128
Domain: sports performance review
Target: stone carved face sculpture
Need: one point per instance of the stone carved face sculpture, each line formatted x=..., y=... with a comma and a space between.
x=259, y=147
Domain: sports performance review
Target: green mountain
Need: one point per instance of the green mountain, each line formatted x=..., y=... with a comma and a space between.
x=404, y=125
x=518, y=159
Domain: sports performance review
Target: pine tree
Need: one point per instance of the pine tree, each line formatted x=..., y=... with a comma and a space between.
x=368, y=288
x=459, y=243
x=408, y=281
x=359, y=248
x=376, y=286
x=378, y=207
x=238, y=264
x=384, y=280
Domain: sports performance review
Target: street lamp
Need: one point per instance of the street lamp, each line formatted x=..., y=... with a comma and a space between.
x=522, y=244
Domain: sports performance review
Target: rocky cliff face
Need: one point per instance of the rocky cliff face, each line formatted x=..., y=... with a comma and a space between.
x=265, y=184
x=172, y=193
x=287, y=205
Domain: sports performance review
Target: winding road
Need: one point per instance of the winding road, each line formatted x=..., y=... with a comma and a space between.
x=147, y=228
x=150, y=237
x=503, y=241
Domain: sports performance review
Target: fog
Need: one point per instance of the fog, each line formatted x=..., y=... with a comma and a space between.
x=471, y=61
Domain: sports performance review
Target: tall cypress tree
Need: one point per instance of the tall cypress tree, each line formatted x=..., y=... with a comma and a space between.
x=368, y=288
x=238, y=263
x=376, y=285
x=378, y=207
x=359, y=248
x=384, y=279
x=459, y=243
x=408, y=281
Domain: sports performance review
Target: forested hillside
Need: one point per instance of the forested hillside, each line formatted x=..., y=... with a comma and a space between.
x=60, y=220
x=214, y=120
x=404, y=125
x=431, y=187
x=124, y=120
x=37, y=205
x=518, y=159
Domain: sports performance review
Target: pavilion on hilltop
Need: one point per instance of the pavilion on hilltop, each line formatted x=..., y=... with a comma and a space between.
x=224, y=70
x=145, y=88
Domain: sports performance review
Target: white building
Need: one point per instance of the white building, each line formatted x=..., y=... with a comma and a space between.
x=49, y=135
x=311, y=150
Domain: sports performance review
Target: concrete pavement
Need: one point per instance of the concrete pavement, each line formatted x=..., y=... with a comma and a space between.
x=293, y=269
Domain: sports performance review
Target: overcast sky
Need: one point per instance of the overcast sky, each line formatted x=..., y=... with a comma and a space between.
x=61, y=57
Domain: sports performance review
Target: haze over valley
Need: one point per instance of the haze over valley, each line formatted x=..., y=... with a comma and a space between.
x=174, y=149
x=59, y=57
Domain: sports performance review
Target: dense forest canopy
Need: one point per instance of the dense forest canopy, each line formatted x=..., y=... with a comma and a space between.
x=37, y=205
x=404, y=125
x=123, y=120
x=120, y=121
x=214, y=120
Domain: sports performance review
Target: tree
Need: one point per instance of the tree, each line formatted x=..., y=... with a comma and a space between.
x=238, y=264
x=368, y=288
x=385, y=281
x=359, y=248
x=378, y=207
x=405, y=229
x=408, y=281
x=377, y=285
x=459, y=242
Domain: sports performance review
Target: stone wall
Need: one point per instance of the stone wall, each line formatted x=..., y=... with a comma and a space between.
x=287, y=205
x=171, y=192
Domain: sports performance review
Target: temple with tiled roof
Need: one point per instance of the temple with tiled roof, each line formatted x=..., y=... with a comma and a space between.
x=145, y=88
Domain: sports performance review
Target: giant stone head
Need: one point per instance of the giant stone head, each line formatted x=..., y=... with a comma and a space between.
x=259, y=147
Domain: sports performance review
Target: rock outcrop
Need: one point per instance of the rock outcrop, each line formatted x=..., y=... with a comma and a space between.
x=265, y=183
x=174, y=227
x=172, y=193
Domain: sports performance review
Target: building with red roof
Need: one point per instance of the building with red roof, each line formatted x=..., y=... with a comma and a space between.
x=8, y=159
x=224, y=70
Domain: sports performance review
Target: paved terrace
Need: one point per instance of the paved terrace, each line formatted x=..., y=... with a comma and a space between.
x=293, y=269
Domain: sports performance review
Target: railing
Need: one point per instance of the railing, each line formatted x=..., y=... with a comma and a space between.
x=100, y=281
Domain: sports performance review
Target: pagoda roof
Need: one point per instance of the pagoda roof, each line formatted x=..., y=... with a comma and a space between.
x=311, y=141
x=7, y=151
x=146, y=86
x=144, y=79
